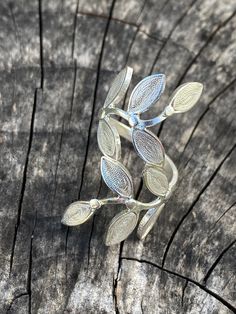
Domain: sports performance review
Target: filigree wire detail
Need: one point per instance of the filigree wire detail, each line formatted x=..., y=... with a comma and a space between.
x=117, y=177
x=148, y=146
x=186, y=96
x=148, y=221
x=146, y=93
x=77, y=213
x=121, y=226
x=159, y=173
x=108, y=139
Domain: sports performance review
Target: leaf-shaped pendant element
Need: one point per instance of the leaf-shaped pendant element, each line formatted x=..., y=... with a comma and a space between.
x=186, y=96
x=116, y=177
x=119, y=87
x=148, y=221
x=148, y=146
x=156, y=180
x=108, y=139
x=121, y=226
x=146, y=93
x=77, y=213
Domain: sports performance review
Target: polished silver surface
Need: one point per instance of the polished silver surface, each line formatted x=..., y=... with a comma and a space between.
x=159, y=172
x=148, y=221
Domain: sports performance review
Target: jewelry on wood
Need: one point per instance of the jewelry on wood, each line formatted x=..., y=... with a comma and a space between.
x=160, y=173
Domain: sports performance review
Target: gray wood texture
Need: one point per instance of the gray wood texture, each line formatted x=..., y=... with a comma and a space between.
x=57, y=59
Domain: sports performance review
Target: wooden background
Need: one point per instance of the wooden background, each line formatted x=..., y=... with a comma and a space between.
x=57, y=59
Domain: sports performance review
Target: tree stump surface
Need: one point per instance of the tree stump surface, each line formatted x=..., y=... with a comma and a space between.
x=57, y=60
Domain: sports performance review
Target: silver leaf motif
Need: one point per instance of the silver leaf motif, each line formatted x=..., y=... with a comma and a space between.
x=121, y=226
x=116, y=177
x=186, y=96
x=146, y=93
x=77, y=213
x=119, y=87
x=156, y=180
x=108, y=139
x=147, y=222
x=148, y=146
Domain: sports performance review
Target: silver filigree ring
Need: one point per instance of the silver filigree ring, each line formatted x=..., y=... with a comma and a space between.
x=160, y=174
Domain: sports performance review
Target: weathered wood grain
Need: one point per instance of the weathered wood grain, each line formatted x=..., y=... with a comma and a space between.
x=57, y=60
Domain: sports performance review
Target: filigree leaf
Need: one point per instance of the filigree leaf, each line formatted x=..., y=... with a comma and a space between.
x=108, y=139
x=146, y=93
x=77, y=213
x=147, y=222
x=116, y=177
x=119, y=87
x=148, y=146
x=121, y=226
x=186, y=96
x=156, y=180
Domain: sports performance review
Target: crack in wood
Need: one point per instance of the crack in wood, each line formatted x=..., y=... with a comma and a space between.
x=14, y=299
x=57, y=164
x=183, y=292
x=208, y=41
x=164, y=6
x=90, y=238
x=117, y=278
x=171, y=32
x=95, y=95
x=224, y=213
x=216, y=262
x=93, y=223
x=41, y=43
x=73, y=90
x=193, y=61
x=134, y=38
x=74, y=30
x=193, y=204
x=228, y=281
x=163, y=46
x=29, y=279
x=151, y=36
x=129, y=50
x=70, y=116
x=67, y=236
x=107, y=17
x=221, y=92
x=141, y=306
x=213, y=294
x=141, y=12
x=36, y=99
